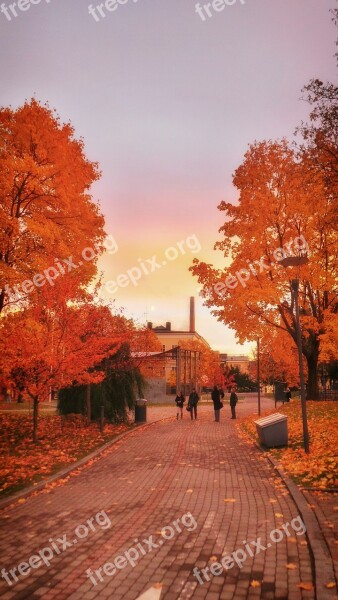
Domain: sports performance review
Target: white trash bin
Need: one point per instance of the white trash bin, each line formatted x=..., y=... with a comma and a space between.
x=273, y=430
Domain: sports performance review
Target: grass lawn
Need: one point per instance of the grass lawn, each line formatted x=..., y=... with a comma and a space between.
x=23, y=463
x=319, y=468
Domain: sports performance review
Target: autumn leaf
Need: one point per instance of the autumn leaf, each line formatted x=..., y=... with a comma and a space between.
x=312, y=469
x=254, y=583
x=305, y=586
x=330, y=585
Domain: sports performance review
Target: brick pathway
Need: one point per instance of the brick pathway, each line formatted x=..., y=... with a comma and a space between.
x=148, y=480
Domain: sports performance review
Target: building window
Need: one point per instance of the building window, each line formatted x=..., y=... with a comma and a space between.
x=174, y=346
x=163, y=348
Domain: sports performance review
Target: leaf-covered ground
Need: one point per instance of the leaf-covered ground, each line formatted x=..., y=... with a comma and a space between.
x=60, y=443
x=318, y=469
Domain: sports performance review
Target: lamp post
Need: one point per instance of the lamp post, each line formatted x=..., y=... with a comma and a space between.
x=258, y=378
x=292, y=261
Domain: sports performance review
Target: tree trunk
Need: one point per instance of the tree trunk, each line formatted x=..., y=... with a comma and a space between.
x=2, y=299
x=312, y=392
x=35, y=418
x=89, y=415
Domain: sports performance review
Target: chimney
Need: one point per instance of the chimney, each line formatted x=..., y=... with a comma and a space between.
x=192, y=314
x=149, y=325
x=168, y=326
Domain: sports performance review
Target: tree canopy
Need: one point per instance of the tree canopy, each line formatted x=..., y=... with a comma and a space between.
x=287, y=206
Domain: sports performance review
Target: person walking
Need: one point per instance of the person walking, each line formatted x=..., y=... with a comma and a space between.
x=233, y=402
x=216, y=396
x=192, y=403
x=180, y=400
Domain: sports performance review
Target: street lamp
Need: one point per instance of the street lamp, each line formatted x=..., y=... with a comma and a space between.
x=258, y=377
x=293, y=261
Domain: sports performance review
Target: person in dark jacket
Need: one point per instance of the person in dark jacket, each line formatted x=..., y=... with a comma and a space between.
x=180, y=400
x=192, y=403
x=233, y=402
x=216, y=396
x=287, y=395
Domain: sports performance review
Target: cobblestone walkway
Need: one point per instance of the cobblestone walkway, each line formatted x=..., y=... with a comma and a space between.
x=145, y=484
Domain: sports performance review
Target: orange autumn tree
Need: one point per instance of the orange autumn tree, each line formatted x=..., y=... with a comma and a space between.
x=284, y=208
x=47, y=216
x=56, y=343
x=278, y=359
x=143, y=344
x=209, y=372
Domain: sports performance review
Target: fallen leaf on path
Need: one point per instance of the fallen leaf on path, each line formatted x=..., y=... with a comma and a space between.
x=229, y=499
x=291, y=566
x=254, y=583
x=330, y=584
x=305, y=586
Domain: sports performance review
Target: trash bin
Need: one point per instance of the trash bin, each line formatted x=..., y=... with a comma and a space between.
x=273, y=430
x=141, y=411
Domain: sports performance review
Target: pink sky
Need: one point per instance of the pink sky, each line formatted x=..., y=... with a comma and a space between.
x=167, y=104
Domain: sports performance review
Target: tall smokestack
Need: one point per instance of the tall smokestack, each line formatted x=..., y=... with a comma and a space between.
x=192, y=314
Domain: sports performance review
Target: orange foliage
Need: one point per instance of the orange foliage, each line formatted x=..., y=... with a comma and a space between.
x=56, y=342
x=209, y=372
x=23, y=463
x=143, y=343
x=319, y=468
x=281, y=199
x=278, y=358
x=46, y=210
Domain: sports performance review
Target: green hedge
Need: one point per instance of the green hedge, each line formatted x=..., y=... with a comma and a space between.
x=118, y=392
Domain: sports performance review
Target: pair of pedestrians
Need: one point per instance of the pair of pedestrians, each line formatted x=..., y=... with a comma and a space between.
x=192, y=404
x=217, y=396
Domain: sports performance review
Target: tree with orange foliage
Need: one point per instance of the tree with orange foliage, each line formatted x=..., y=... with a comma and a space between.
x=47, y=215
x=144, y=344
x=278, y=359
x=284, y=209
x=55, y=343
x=209, y=372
